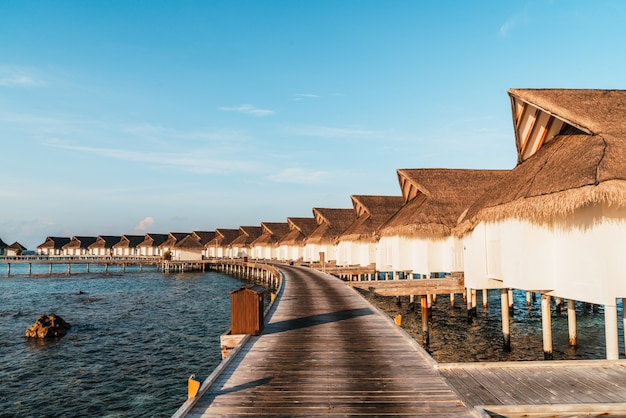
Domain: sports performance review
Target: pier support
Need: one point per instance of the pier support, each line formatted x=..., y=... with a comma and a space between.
x=425, y=332
x=610, y=329
x=511, y=302
x=546, y=326
x=506, y=326
x=485, y=299
x=528, y=299
x=571, y=322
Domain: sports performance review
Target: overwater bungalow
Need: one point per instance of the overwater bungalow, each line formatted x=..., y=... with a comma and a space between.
x=52, y=246
x=3, y=247
x=331, y=223
x=15, y=249
x=78, y=246
x=103, y=246
x=172, y=238
x=356, y=246
x=291, y=246
x=265, y=246
x=556, y=224
x=418, y=238
x=189, y=248
x=151, y=244
x=128, y=245
x=240, y=247
x=218, y=247
x=204, y=237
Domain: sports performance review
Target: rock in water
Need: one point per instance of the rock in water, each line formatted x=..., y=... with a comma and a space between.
x=48, y=326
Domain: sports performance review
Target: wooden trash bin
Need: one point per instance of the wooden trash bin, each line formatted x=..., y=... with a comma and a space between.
x=246, y=310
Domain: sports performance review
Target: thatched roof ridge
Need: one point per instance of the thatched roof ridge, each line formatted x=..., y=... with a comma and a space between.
x=79, y=242
x=173, y=238
x=106, y=241
x=247, y=234
x=272, y=233
x=441, y=197
x=203, y=237
x=331, y=223
x=16, y=246
x=569, y=171
x=223, y=237
x=129, y=241
x=371, y=212
x=299, y=229
x=153, y=240
x=54, y=242
x=189, y=242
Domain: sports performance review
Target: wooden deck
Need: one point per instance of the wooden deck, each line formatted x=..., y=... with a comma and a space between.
x=543, y=388
x=327, y=352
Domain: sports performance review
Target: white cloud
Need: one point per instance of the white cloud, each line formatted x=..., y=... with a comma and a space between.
x=300, y=176
x=195, y=161
x=512, y=23
x=248, y=110
x=11, y=76
x=145, y=223
x=302, y=96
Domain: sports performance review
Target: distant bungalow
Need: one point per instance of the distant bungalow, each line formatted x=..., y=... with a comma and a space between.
x=218, y=247
x=128, y=245
x=3, y=247
x=172, y=238
x=265, y=246
x=418, y=238
x=188, y=248
x=103, y=246
x=556, y=224
x=356, y=246
x=151, y=244
x=331, y=223
x=52, y=246
x=240, y=247
x=14, y=249
x=78, y=246
x=291, y=246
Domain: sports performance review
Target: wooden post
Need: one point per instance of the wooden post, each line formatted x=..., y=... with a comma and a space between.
x=426, y=336
x=87, y=267
x=429, y=301
x=485, y=299
x=506, y=326
x=8, y=269
x=452, y=300
x=610, y=329
x=571, y=322
x=30, y=268
x=559, y=304
x=474, y=303
x=528, y=301
x=468, y=299
x=50, y=268
x=69, y=268
x=546, y=326
x=511, y=302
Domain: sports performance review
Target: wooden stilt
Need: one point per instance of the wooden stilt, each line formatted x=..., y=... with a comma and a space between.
x=571, y=322
x=8, y=269
x=528, y=301
x=474, y=302
x=546, y=326
x=429, y=301
x=485, y=299
x=468, y=299
x=506, y=326
x=611, y=335
x=434, y=298
x=511, y=302
x=559, y=304
x=69, y=269
x=425, y=332
x=452, y=300
x=30, y=268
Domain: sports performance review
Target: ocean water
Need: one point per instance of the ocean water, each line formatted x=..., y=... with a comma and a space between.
x=135, y=339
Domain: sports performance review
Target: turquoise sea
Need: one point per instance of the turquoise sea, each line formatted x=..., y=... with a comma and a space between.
x=135, y=339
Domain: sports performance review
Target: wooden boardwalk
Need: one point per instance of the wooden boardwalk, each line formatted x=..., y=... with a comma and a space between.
x=327, y=352
x=542, y=388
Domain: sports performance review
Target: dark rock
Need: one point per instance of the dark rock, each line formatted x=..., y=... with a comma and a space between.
x=48, y=326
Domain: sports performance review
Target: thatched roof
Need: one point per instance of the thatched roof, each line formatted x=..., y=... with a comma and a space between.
x=436, y=197
x=16, y=246
x=3, y=245
x=153, y=240
x=223, y=237
x=130, y=241
x=247, y=234
x=79, y=242
x=54, y=243
x=299, y=230
x=331, y=223
x=371, y=212
x=189, y=243
x=203, y=237
x=584, y=164
x=106, y=241
x=173, y=238
x=272, y=233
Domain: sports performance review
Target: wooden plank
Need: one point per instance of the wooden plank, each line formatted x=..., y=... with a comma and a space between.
x=413, y=287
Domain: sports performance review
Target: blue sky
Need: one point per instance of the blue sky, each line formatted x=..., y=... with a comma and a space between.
x=127, y=117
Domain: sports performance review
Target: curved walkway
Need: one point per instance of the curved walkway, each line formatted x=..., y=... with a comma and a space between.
x=326, y=351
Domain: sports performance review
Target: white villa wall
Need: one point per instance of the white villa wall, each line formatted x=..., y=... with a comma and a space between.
x=580, y=257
